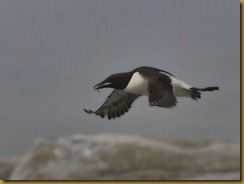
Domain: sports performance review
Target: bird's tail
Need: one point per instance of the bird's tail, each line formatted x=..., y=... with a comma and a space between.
x=196, y=94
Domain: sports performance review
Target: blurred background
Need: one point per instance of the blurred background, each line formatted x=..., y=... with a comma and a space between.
x=53, y=52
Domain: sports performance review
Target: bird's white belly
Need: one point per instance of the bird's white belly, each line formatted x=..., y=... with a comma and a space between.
x=137, y=85
x=179, y=87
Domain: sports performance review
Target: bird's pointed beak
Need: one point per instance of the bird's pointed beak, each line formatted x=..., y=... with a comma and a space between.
x=101, y=85
x=97, y=87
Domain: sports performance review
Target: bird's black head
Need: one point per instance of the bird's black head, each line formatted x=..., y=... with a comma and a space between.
x=116, y=81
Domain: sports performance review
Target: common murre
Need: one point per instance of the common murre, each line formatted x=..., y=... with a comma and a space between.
x=160, y=86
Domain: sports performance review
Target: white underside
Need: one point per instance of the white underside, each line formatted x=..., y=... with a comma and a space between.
x=179, y=87
x=138, y=85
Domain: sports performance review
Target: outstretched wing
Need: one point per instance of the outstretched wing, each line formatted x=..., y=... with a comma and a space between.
x=116, y=105
x=161, y=91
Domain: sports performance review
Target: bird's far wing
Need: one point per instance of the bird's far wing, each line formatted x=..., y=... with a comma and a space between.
x=116, y=105
x=161, y=91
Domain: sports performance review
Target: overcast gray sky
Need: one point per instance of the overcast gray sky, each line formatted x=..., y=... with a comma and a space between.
x=53, y=52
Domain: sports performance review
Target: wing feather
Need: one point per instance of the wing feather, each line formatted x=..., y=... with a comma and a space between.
x=116, y=105
x=161, y=91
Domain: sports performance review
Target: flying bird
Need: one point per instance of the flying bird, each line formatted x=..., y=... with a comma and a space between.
x=160, y=86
